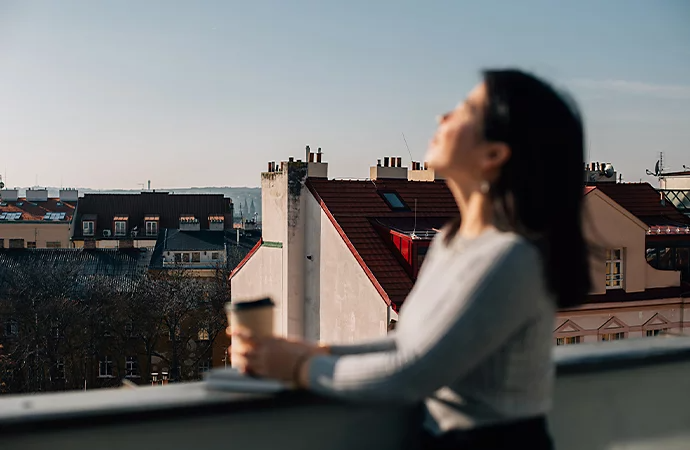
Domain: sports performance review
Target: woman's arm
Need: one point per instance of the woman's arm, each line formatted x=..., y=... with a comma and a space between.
x=479, y=313
x=383, y=344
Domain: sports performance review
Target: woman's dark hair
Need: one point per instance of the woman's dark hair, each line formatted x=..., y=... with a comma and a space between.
x=540, y=189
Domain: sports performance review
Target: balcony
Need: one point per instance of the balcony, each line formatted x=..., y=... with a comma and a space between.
x=629, y=394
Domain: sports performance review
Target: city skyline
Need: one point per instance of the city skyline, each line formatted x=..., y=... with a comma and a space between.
x=111, y=95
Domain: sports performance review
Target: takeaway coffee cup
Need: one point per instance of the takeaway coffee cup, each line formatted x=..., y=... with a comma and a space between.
x=256, y=316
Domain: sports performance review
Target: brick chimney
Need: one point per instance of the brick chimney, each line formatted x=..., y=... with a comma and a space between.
x=316, y=168
x=420, y=172
x=391, y=169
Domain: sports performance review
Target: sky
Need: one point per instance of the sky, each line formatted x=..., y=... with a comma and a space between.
x=110, y=94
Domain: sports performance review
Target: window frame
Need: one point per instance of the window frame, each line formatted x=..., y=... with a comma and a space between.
x=153, y=224
x=610, y=262
x=91, y=225
x=11, y=328
x=204, y=366
x=13, y=244
x=132, y=367
x=620, y=335
x=122, y=224
x=107, y=363
x=60, y=369
x=565, y=340
x=404, y=206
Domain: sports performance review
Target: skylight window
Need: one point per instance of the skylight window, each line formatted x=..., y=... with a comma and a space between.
x=394, y=201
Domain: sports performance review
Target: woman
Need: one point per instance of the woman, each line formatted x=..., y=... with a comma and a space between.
x=474, y=337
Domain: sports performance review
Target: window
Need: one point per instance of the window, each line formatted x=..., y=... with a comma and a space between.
x=120, y=228
x=394, y=201
x=129, y=328
x=53, y=244
x=196, y=257
x=614, y=269
x=185, y=257
x=131, y=367
x=151, y=228
x=55, y=330
x=660, y=331
x=11, y=328
x=215, y=256
x=60, y=369
x=31, y=244
x=105, y=367
x=568, y=340
x=2, y=243
x=178, y=257
x=16, y=243
x=612, y=337
x=203, y=334
x=88, y=226
x=204, y=366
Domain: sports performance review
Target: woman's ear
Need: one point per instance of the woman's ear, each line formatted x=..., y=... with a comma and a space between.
x=496, y=155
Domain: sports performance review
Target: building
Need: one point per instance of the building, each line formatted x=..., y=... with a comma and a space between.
x=631, y=295
x=339, y=256
x=78, y=297
x=135, y=220
x=668, y=229
x=35, y=220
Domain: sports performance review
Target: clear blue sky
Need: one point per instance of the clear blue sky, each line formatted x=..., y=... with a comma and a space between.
x=108, y=94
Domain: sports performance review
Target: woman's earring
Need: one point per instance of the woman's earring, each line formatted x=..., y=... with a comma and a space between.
x=484, y=187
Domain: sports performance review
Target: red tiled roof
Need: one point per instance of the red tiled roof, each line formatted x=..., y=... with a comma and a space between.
x=644, y=202
x=351, y=206
x=38, y=210
x=245, y=260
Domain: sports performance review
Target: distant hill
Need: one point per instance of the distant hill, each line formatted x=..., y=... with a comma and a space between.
x=240, y=196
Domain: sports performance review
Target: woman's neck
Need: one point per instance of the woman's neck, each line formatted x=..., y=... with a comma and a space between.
x=475, y=209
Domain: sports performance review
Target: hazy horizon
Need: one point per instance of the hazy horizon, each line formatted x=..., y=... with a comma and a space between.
x=112, y=94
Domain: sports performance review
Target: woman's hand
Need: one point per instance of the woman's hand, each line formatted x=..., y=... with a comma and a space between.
x=272, y=357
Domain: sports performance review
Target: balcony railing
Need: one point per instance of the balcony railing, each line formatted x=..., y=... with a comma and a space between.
x=629, y=394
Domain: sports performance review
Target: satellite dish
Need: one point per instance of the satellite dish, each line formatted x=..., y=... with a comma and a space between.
x=2, y=185
x=657, y=170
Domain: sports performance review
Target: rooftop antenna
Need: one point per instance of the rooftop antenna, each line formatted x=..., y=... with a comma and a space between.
x=658, y=167
x=408, y=148
x=414, y=229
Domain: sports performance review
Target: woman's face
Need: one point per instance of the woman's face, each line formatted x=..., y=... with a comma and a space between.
x=457, y=150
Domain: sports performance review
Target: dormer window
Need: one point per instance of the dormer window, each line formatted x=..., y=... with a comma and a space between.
x=189, y=222
x=121, y=225
x=88, y=227
x=394, y=201
x=216, y=223
x=151, y=222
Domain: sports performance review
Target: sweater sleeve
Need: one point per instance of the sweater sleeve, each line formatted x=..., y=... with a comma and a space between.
x=384, y=344
x=481, y=307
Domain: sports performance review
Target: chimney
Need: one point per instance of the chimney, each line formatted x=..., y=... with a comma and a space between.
x=9, y=195
x=378, y=163
x=37, y=195
x=311, y=158
x=149, y=185
x=419, y=173
x=316, y=168
x=69, y=195
x=291, y=159
x=308, y=153
x=392, y=171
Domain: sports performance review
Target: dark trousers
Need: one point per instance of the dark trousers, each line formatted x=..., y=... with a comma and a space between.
x=530, y=434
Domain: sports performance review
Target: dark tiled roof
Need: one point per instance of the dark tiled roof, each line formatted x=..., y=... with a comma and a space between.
x=123, y=267
x=354, y=207
x=38, y=210
x=176, y=240
x=136, y=206
x=644, y=202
